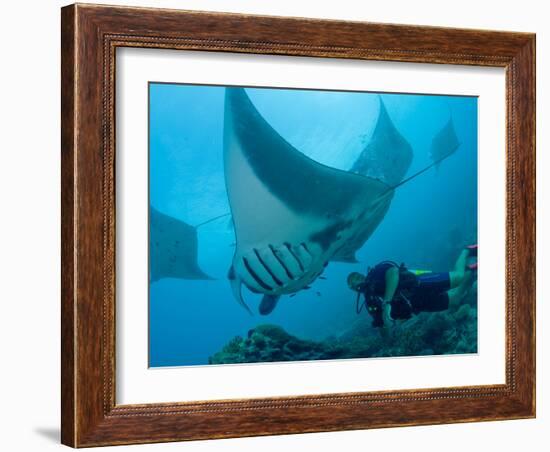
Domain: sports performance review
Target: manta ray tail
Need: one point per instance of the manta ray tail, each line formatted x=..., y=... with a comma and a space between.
x=423, y=170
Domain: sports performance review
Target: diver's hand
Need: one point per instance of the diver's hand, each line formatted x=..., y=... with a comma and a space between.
x=386, y=315
x=387, y=330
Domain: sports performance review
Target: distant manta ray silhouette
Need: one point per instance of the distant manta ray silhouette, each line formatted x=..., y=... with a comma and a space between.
x=387, y=156
x=444, y=143
x=173, y=248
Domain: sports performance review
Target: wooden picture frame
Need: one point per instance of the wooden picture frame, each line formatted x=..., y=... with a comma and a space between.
x=90, y=36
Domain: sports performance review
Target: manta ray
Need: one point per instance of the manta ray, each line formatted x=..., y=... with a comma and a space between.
x=444, y=143
x=291, y=214
x=388, y=155
x=173, y=248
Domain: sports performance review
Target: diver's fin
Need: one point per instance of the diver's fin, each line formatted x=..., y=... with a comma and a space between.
x=268, y=304
x=472, y=250
x=236, y=285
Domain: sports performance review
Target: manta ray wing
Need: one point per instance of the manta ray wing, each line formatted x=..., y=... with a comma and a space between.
x=388, y=157
x=346, y=253
x=444, y=143
x=291, y=213
x=173, y=248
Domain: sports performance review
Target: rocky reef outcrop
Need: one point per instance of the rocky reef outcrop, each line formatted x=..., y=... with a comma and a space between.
x=268, y=343
x=449, y=332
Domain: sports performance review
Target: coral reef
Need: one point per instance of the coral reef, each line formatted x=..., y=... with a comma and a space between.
x=448, y=332
x=267, y=343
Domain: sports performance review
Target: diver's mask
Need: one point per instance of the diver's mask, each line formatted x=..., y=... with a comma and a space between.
x=355, y=280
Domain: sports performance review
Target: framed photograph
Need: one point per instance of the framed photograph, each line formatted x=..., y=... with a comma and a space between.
x=281, y=225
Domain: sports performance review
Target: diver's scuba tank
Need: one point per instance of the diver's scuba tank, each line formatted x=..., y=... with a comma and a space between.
x=401, y=306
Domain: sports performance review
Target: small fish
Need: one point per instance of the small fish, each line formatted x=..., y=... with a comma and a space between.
x=318, y=293
x=322, y=277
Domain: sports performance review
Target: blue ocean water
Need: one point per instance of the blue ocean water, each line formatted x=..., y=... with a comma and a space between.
x=430, y=217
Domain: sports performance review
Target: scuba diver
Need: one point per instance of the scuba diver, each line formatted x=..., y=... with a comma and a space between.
x=394, y=292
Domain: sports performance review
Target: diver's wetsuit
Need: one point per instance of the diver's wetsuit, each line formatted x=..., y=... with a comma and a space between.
x=417, y=291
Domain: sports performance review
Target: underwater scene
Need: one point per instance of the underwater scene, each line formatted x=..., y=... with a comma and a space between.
x=298, y=224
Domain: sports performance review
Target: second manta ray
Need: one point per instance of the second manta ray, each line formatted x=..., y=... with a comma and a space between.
x=292, y=215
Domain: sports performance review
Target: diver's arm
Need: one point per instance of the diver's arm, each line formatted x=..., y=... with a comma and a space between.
x=392, y=281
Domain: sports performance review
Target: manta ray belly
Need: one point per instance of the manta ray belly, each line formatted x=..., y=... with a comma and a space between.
x=293, y=265
x=278, y=252
x=285, y=268
x=278, y=270
x=274, y=253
